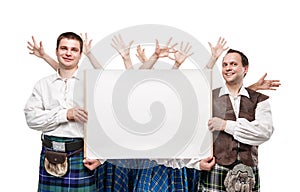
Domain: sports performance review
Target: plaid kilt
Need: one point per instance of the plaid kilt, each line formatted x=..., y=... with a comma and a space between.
x=78, y=178
x=159, y=178
x=114, y=175
x=193, y=176
x=213, y=181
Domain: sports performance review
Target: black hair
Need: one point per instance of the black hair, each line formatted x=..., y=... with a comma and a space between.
x=245, y=61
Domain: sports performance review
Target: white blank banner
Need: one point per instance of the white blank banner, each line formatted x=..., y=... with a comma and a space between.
x=147, y=114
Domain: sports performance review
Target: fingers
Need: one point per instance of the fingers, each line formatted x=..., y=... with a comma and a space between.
x=169, y=41
x=210, y=45
x=130, y=43
x=264, y=76
x=210, y=125
x=80, y=115
x=77, y=114
x=33, y=40
x=274, y=84
x=212, y=161
x=207, y=163
x=91, y=164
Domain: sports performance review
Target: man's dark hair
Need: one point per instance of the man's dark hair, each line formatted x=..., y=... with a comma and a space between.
x=245, y=61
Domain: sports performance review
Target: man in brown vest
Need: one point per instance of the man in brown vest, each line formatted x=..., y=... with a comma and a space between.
x=241, y=121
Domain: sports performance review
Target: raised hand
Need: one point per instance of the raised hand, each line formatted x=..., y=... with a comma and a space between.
x=123, y=49
x=263, y=84
x=87, y=44
x=119, y=44
x=165, y=50
x=159, y=52
x=87, y=47
x=181, y=54
x=35, y=48
x=141, y=54
x=216, y=51
x=38, y=50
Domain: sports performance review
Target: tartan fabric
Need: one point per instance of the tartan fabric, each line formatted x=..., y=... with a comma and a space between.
x=159, y=178
x=213, y=181
x=114, y=175
x=78, y=178
x=193, y=176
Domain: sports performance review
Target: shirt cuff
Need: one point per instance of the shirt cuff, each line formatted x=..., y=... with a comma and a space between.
x=230, y=127
x=62, y=116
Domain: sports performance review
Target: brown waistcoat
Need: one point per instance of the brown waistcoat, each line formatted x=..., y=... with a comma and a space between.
x=225, y=146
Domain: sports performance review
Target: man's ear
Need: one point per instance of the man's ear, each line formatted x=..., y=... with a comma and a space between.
x=246, y=70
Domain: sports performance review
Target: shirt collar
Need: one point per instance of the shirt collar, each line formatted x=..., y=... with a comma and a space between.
x=58, y=77
x=243, y=92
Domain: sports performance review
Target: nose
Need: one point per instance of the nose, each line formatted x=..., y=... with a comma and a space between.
x=228, y=67
x=68, y=52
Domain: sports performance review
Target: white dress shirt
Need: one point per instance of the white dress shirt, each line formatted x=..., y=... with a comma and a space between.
x=46, y=108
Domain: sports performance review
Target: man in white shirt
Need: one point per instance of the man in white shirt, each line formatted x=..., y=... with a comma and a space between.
x=241, y=121
x=53, y=110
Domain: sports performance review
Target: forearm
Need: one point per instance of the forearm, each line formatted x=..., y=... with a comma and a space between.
x=127, y=62
x=94, y=61
x=176, y=65
x=211, y=62
x=45, y=120
x=253, y=87
x=54, y=64
x=150, y=63
x=253, y=132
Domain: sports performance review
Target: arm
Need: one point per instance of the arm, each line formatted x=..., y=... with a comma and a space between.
x=44, y=114
x=38, y=50
x=123, y=50
x=87, y=47
x=159, y=52
x=252, y=133
x=38, y=117
x=263, y=84
x=216, y=51
x=181, y=55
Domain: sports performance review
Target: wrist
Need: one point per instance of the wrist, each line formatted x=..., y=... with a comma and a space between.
x=176, y=65
x=154, y=56
x=69, y=115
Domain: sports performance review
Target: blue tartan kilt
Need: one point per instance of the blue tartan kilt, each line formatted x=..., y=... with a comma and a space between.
x=213, y=180
x=193, y=176
x=78, y=178
x=137, y=175
x=115, y=175
x=159, y=178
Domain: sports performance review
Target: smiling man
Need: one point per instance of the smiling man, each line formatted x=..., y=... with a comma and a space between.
x=241, y=121
x=53, y=110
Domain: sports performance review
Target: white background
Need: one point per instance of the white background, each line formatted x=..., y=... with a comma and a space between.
x=266, y=31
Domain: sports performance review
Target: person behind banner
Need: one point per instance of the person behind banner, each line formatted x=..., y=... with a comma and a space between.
x=53, y=110
x=242, y=120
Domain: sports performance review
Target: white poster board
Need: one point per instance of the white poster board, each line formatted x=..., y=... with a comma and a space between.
x=147, y=114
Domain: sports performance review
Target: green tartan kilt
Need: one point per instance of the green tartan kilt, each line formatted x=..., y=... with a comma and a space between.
x=213, y=181
x=78, y=178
